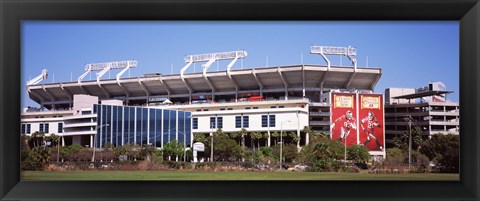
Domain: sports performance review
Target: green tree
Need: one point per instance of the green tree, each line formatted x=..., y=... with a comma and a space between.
x=275, y=136
x=224, y=148
x=293, y=135
x=38, y=138
x=395, y=157
x=322, y=154
x=37, y=159
x=172, y=149
x=55, y=139
x=402, y=141
x=357, y=153
x=445, y=149
x=200, y=137
x=256, y=136
x=243, y=132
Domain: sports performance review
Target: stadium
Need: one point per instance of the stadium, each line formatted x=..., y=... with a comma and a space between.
x=154, y=109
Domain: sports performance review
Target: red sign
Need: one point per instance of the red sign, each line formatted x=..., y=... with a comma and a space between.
x=371, y=121
x=344, y=118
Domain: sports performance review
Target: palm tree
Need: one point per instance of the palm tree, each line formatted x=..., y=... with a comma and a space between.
x=256, y=136
x=234, y=135
x=242, y=134
x=265, y=136
x=55, y=138
x=38, y=135
x=307, y=130
x=294, y=136
x=275, y=134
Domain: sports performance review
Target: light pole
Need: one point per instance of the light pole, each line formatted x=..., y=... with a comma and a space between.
x=409, y=118
x=211, y=142
x=345, y=152
x=409, y=142
x=281, y=141
x=93, y=156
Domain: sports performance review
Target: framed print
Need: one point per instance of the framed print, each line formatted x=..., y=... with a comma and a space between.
x=268, y=105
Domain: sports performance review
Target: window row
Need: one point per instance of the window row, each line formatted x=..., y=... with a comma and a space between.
x=43, y=127
x=240, y=122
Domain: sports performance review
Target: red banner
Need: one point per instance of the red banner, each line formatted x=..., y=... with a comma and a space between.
x=344, y=118
x=371, y=122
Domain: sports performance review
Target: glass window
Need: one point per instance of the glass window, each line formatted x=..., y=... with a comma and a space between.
x=181, y=127
x=212, y=122
x=151, y=130
x=273, y=106
x=188, y=130
x=108, y=127
x=158, y=128
x=114, y=125
x=173, y=125
x=131, y=127
x=198, y=110
x=272, y=121
x=86, y=112
x=29, y=126
x=238, y=121
x=255, y=107
x=60, y=128
x=264, y=120
x=144, y=136
x=222, y=109
x=195, y=123
x=138, y=129
x=245, y=122
x=166, y=126
x=46, y=127
x=281, y=106
x=247, y=108
x=41, y=127
x=126, y=119
x=119, y=125
x=24, y=128
x=219, y=122
x=229, y=108
x=205, y=109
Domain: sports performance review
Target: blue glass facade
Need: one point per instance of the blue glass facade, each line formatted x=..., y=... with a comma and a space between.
x=122, y=125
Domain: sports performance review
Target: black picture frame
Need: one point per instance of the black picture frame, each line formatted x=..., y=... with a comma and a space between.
x=12, y=13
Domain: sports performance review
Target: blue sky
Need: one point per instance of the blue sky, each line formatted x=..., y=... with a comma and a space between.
x=411, y=54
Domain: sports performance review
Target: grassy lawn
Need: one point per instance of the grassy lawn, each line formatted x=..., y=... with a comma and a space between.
x=201, y=175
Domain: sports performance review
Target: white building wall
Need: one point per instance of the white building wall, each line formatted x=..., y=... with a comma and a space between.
x=255, y=120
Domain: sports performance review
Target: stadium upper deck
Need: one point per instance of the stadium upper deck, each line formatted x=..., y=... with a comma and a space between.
x=297, y=79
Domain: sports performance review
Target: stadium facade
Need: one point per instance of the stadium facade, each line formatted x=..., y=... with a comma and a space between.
x=265, y=100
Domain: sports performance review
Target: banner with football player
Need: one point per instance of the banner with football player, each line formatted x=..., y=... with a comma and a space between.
x=344, y=118
x=371, y=121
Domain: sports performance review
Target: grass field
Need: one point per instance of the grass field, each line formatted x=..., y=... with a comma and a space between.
x=201, y=175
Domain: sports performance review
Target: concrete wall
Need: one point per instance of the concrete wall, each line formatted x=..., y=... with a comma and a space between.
x=393, y=92
x=112, y=102
x=83, y=101
x=298, y=121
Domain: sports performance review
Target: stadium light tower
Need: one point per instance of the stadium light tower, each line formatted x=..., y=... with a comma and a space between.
x=210, y=58
x=105, y=67
x=349, y=52
x=39, y=78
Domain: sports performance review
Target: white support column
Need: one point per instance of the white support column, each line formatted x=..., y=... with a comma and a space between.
x=167, y=88
x=284, y=80
x=63, y=141
x=260, y=84
x=91, y=141
x=145, y=89
x=204, y=73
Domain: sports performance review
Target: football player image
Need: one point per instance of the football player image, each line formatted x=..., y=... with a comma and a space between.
x=368, y=126
x=348, y=124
